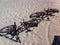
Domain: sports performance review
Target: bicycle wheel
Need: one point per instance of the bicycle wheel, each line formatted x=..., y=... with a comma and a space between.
x=5, y=30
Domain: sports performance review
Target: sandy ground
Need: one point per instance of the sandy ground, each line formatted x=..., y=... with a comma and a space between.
x=17, y=10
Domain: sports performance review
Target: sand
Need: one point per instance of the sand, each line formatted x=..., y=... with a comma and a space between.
x=17, y=10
